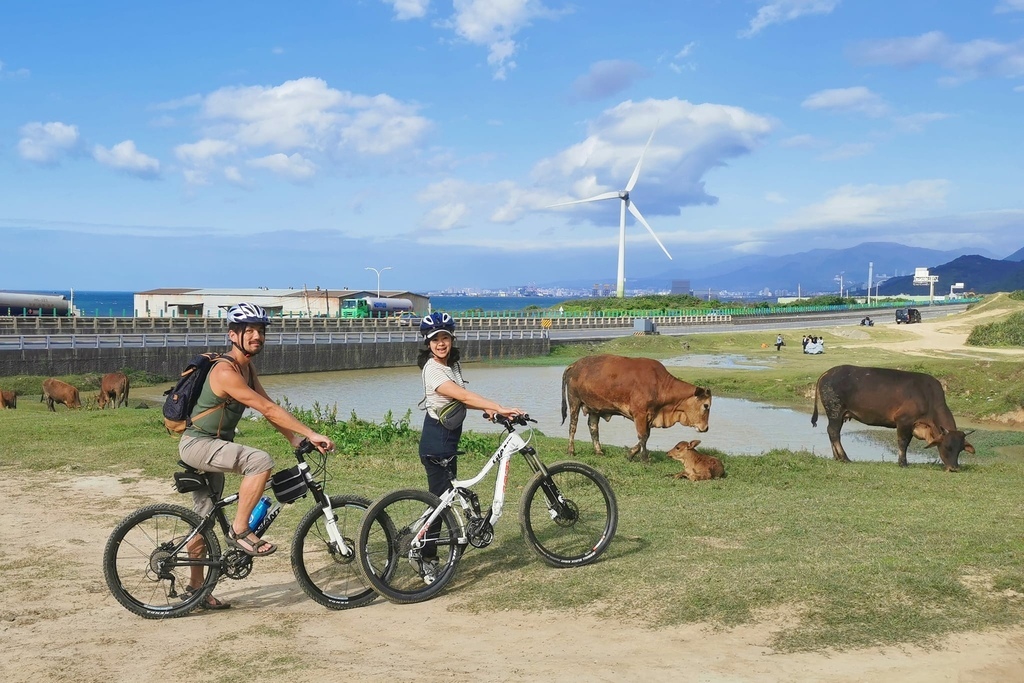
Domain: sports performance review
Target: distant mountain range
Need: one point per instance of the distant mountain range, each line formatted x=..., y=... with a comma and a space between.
x=819, y=270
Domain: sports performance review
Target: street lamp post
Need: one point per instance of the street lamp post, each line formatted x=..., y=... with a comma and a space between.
x=378, y=276
x=839, y=279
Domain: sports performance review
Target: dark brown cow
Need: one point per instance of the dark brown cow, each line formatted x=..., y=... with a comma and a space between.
x=640, y=389
x=8, y=399
x=55, y=391
x=912, y=402
x=113, y=389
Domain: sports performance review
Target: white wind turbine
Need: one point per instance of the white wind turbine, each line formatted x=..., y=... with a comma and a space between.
x=627, y=205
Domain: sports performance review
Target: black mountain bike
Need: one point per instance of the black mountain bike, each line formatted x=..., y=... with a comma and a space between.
x=147, y=565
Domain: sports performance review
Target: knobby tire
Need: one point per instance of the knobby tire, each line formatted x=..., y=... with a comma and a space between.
x=584, y=531
x=385, y=551
x=327, y=576
x=142, y=570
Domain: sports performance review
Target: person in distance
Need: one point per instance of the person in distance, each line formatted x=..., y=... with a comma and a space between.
x=444, y=388
x=207, y=444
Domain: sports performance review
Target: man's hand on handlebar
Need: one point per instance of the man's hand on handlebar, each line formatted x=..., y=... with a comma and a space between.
x=317, y=441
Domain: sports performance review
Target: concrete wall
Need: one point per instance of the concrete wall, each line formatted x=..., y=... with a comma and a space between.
x=274, y=360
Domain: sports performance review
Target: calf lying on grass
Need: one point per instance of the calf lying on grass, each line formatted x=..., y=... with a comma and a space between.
x=696, y=466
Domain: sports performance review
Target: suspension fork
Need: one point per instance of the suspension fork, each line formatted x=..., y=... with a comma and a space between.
x=323, y=501
x=556, y=501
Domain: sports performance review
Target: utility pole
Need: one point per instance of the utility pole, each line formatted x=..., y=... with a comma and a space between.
x=871, y=275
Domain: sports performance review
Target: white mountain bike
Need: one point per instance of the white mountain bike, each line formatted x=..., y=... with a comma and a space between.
x=410, y=541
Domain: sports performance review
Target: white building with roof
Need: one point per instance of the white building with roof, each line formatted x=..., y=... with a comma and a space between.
x=174, y=302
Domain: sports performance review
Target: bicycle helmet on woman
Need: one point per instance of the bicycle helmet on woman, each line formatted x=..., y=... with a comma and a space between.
x=246, y=313
x=434, y=323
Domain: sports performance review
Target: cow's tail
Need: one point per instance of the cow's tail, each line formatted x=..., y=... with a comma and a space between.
x=565, y=381
x=814, y=415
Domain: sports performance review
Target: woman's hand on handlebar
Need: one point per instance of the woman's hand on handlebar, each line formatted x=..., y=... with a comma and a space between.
x=506, y=412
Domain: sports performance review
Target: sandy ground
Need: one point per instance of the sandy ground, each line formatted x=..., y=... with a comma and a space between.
x=58, y=622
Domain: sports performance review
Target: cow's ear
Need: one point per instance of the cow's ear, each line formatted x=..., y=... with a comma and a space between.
x=694, y=443
x=969, y=448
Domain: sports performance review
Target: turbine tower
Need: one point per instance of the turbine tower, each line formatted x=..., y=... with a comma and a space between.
x=627, y=205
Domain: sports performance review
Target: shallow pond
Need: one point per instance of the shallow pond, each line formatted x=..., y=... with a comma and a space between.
x=737, y=426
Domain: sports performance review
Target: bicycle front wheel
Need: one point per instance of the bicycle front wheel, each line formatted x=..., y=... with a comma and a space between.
x=569, y=516
x=391, y=560
x=148, y=567
x=327, y=575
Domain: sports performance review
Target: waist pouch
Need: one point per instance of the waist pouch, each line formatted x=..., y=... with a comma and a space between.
x=452, y=415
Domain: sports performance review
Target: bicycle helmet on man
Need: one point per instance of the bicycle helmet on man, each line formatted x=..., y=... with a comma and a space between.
x=435, y=323
x=247, y=314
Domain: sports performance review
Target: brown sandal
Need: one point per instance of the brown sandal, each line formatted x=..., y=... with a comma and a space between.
x=209, y=603
x=257, y=548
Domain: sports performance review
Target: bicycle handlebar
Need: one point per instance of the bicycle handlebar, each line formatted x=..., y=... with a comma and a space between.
x=305, y=447
x=508, y=422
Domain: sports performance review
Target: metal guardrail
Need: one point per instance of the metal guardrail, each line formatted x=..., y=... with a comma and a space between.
x=135, y=341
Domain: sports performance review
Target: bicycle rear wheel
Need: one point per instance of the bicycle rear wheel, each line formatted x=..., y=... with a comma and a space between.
x=387, y=559
x=569, y=517
x=324, y=573
x=147, y=566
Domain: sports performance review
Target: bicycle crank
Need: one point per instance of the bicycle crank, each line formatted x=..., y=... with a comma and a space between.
x=237, y=565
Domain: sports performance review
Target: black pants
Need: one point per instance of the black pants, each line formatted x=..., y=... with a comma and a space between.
x=440, y=469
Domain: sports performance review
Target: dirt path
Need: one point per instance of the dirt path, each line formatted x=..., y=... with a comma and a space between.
x=58, y=622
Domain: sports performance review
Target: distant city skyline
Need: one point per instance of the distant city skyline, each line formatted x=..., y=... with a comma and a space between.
x=140, y=144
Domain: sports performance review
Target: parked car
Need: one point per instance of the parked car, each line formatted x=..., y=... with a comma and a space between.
x=907, y=315
x=408, y=319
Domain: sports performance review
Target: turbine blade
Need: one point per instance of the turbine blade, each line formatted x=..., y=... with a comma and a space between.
x=596, y=198
x=636, y=171
x=636, y=214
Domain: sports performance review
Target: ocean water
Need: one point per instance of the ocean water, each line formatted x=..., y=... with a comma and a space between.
x=121, y=304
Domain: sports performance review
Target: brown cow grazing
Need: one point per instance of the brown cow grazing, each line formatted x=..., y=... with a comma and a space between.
x=113, y=389
x=912, y=402
x=696, y=466
x=8, y=399
x=640, y=389
x=55, y=391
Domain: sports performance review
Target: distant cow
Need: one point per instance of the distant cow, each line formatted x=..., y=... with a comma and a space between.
x=55, y=391
x=113, y=389
x=912, y=402
x=696, y=466
x=640, y=389
x=8, y=399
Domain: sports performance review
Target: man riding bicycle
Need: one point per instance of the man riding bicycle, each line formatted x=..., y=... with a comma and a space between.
x=208, y=442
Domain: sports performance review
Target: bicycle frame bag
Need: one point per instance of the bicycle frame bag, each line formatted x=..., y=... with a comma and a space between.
x=452, y=415
x=288, y=485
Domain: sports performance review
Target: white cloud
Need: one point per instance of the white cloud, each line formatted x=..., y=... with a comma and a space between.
x=125, y=157
x=915, y=123
x=494, y=24
x=803, y=140
x=691, y=139
x=307, y=114
x=7, y=74
x=180, y=103
x=234, y=176
x=782, y=11
x=47, y=143
x=967, y=61
x=857, y=99
x=1009, y=6
x=852, y=205
x=774, y=198
x=295, y=167
x=204, y=152
x=848, y=151
x=409, y=9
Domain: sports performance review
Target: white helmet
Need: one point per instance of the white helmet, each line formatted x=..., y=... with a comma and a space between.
x=247, y=313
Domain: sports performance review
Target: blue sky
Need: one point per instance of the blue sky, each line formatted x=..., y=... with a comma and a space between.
x=215, y=144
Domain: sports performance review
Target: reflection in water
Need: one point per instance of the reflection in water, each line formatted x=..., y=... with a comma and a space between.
x=738, y=427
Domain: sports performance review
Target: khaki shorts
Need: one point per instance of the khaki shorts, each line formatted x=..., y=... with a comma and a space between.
x=215, y=456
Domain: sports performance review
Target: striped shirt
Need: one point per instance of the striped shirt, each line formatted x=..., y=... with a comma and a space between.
x=434, y=375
